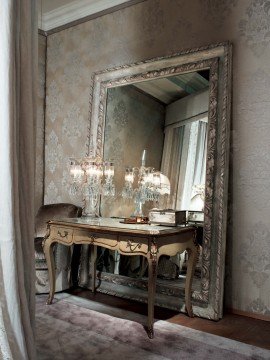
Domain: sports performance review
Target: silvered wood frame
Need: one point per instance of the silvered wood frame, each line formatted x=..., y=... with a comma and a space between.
x=217, y=58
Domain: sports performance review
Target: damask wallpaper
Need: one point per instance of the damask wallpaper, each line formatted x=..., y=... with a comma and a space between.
x=156, y=28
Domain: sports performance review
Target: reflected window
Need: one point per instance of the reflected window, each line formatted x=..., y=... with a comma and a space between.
x=185, y=150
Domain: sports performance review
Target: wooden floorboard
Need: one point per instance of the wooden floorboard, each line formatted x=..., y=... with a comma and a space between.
x=236, y=327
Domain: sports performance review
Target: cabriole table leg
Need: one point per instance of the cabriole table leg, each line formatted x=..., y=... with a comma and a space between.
x=152, y=277
x=192, y=251
x=93, y=261
x=48, y=251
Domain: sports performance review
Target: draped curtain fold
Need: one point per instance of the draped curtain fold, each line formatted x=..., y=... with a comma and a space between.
x=18, y=74
x=184, y=161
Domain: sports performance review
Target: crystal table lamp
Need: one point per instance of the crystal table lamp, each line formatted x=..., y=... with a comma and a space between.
x=144, y=184
x=92, y=177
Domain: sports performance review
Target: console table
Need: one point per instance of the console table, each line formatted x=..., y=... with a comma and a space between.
x=129, y=239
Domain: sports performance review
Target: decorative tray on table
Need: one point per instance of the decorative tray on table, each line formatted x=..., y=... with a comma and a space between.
x=135, y=220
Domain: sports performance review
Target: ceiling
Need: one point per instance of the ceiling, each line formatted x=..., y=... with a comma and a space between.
x=55, y=13
x=171, y=88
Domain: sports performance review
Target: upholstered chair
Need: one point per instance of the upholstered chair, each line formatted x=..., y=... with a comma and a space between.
x=65, y=256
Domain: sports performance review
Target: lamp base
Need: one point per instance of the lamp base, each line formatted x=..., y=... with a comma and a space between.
x=91, y=206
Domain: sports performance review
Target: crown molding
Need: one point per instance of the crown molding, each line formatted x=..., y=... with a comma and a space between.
x=76, y=10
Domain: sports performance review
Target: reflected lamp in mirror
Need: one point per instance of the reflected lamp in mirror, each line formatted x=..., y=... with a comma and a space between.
x=144, y=184
x=90, y=178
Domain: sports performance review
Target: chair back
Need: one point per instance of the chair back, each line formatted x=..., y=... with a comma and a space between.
x=54, y=211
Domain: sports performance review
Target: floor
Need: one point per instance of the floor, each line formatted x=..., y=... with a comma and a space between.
x=247, y=330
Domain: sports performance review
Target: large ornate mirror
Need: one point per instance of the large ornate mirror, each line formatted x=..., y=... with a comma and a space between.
x=177, y=109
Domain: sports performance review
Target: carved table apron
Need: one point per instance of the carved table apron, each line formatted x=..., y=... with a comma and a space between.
x=146, y=240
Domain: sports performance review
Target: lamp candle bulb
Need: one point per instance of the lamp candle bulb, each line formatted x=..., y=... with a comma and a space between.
x=144, y=158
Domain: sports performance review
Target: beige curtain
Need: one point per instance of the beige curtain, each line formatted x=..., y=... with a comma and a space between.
x=18, y=69
x=184, y=160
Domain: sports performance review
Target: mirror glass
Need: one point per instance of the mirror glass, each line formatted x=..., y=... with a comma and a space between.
x=167, y=117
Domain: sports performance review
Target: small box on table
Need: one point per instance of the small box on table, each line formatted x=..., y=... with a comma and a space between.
x=195, y=216
x=167, y=217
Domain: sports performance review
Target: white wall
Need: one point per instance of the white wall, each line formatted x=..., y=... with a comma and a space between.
x=188, y=107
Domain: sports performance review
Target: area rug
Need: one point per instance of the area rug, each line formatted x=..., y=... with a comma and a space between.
x=78, y=329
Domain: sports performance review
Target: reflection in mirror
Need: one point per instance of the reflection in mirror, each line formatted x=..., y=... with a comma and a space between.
x=169, y=118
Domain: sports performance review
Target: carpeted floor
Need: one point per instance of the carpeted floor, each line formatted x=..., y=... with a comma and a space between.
x=73, y=328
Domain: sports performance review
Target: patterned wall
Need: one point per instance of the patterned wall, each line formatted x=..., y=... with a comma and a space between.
x=156, y=28
x=39, y=175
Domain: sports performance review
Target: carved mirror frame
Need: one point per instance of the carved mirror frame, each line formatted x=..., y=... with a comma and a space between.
x=208, y=302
